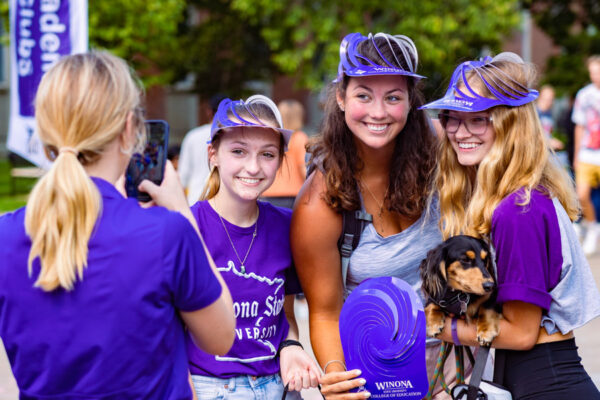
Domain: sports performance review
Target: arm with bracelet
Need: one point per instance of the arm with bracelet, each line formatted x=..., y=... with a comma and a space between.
x=298, y=370
x=317, y=261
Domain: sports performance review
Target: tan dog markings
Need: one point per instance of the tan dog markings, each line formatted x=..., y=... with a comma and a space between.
x=443, y=270
x=488, y=326
x=474, y=306
x=470, y=254
x=483, y=254
x=468, y=280
x=435, y=319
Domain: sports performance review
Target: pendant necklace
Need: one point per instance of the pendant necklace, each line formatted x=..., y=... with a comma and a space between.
x=242, y=262
x=380, y=205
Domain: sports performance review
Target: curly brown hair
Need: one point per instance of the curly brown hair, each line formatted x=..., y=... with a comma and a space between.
x=413, y=160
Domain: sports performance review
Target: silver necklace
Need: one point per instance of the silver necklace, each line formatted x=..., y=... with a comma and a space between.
x=242, y=262
x=380, y=205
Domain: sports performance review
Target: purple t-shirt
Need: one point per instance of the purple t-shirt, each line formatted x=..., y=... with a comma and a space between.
x=117, y=334
x=528, y=249
x=258, y=293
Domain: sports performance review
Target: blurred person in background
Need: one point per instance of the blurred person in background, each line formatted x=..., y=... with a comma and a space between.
x=193, y=167
x=292, y=172
x=586, y=116
x=173, y=155
x=544, y=109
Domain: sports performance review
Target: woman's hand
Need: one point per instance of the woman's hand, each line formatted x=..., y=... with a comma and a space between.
x=169, y=194
x=335, y=385
x=298, y=370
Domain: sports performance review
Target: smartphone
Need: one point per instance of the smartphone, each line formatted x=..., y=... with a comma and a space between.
x=151, y=164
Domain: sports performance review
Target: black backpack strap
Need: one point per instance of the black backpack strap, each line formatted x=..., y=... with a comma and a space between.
x=480, y=361
x=353, y=223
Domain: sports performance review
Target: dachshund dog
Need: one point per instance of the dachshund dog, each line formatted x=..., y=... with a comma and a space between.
x=458, y=278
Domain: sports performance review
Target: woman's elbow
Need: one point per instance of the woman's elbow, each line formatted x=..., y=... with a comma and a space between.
x=222, y=340
x=226, y=342
x=523, y=342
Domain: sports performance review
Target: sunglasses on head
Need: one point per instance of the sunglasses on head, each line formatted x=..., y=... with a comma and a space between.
x=476, y=125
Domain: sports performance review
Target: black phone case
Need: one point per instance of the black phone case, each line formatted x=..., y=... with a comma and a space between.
x=151, y=164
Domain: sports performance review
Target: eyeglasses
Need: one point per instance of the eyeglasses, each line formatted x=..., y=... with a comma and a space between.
x=475, y=125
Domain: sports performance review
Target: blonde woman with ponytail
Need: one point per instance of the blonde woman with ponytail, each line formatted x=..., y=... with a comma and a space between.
x=95, y=286
x=498, y=179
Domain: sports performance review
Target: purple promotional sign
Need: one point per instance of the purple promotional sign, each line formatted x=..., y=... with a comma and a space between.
x=382, y=328
x=41, y=32
x=42, y=37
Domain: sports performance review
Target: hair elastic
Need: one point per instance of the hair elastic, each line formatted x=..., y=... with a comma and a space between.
x=67, y=149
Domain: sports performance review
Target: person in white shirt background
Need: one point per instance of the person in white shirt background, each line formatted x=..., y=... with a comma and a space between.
x=193, y=167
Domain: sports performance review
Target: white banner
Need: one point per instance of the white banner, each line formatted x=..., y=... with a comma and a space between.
x=41, y=31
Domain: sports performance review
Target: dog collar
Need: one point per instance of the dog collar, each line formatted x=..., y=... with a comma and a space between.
x=453, y=301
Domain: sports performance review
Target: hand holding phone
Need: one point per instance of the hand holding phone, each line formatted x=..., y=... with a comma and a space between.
x=150, y=164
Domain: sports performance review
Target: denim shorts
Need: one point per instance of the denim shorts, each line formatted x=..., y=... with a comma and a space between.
x=244, y=387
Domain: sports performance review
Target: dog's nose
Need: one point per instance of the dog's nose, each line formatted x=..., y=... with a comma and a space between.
x=488, y=286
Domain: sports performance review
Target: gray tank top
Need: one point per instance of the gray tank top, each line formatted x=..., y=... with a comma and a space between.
x=398, y=255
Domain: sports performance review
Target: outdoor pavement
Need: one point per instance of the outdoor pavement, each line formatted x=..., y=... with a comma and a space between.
x=587, y=338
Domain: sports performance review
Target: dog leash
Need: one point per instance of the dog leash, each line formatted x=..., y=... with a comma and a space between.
x=438, y=373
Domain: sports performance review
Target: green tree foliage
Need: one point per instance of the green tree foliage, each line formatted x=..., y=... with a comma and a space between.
x=574, y=26
x=143, y=32
x=304, y=35
x=223, y=44
x=222, y=50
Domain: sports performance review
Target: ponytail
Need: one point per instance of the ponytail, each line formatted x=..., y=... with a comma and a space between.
x=60, y=216
x=82, y=105
x=212, y=185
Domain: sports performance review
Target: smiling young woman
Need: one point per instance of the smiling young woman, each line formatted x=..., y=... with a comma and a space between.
x=470, y=134
x=497, y=179
x=375, y=153
x=250, y=243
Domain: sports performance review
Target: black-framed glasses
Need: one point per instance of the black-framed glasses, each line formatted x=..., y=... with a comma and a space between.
x=476, y=125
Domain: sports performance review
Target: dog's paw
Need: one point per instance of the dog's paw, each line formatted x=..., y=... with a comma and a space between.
x=435, y=320
x=488, y=326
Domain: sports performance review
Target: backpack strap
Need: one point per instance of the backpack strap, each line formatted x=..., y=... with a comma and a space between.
x=353, y=223
x=480, y=361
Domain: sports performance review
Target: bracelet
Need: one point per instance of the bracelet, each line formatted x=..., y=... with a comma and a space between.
x=287, y=343
x=331, y=362
x=455, y=333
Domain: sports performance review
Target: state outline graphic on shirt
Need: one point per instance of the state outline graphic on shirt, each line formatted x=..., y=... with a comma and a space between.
x=263, y=279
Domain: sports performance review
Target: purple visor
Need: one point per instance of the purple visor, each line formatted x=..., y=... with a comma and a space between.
x=352, y=63
x=257, y=111
x=460, y=96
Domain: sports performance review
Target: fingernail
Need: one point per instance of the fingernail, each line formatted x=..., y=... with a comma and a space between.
x=367, y=395
x=362, y=381
x=357, y=371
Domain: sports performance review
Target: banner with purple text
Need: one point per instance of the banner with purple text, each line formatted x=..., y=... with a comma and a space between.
x=41, y=31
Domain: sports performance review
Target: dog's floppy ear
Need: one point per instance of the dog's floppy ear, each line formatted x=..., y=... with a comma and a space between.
x=432, y=280
x=486, y=256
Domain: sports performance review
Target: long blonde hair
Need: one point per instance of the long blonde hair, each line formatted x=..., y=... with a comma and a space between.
x=82, y=104
x=518, y=159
